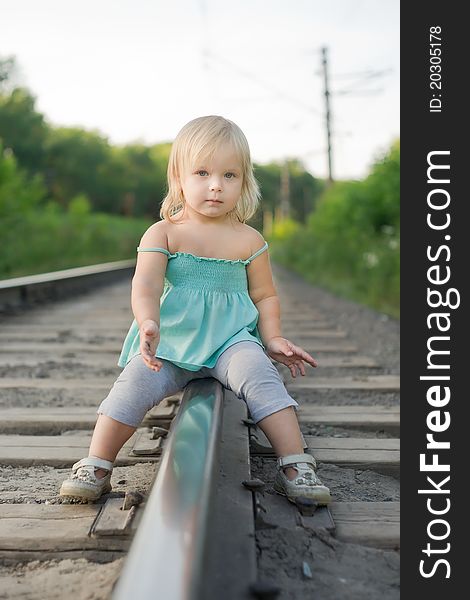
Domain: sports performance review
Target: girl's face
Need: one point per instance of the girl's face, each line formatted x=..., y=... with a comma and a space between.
x=218, y=179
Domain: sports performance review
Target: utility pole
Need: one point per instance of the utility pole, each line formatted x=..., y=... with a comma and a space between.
x=282, y=211
x=328, y=112
x=285, y=191
x=365, y=75
x=268, y=221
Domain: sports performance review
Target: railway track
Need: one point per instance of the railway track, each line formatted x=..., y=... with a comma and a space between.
x=192, y=513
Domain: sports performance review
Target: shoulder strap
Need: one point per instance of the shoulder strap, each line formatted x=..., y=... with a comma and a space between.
x=248, y=260
x=164, y=250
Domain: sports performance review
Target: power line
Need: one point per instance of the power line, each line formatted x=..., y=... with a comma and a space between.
x=259, y=81
x=368, y=74
x=363, y=78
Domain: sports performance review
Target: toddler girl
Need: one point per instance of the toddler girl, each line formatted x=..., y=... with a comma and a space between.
x=205, y=305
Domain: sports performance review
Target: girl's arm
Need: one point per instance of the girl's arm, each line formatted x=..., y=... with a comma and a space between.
x=149, y=277
x=145, y=301
x=264, y=296
x=263, y=293
x=269, y=322
x=147, y=288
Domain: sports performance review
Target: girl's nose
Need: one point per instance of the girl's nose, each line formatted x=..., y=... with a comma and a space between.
x=215, y=185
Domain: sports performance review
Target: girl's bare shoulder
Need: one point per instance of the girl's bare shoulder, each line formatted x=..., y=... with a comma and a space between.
x=254, y=238
x=156, y=236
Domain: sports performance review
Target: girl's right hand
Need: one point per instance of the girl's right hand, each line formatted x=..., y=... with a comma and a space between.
x=149, y=339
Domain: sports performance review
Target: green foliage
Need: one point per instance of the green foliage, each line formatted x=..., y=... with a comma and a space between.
x=79, y=206
x=143, y=177
x=18, y=194
x=75, y=159
x=51, y=240
x=23, y=129
x=350, y=243
x=38, y=235
x=304, y=189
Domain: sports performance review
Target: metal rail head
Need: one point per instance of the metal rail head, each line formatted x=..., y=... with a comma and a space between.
x=20, y=292
x=167, y=554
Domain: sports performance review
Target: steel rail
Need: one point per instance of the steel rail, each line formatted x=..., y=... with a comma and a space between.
x=170, y=547
x=20, y=292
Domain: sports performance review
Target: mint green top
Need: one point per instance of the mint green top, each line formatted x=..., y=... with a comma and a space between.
x=205, y=308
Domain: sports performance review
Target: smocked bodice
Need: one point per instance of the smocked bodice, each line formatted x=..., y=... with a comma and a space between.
x=186, y=270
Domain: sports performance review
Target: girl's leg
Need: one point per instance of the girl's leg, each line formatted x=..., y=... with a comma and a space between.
x=109, y=436
x=135, y=391
x=283, y=431
x=248, y=372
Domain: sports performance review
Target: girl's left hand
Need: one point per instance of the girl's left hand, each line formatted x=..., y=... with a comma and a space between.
x=287, y=353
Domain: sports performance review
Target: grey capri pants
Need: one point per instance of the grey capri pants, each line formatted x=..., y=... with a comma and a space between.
x=243, y=368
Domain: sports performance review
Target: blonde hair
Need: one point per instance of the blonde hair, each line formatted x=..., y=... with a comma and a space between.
x=198, y=141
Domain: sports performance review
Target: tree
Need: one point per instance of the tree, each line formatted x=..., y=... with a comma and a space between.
x=75, y=159
x=18, y=195
x=8, y=70
x=23, y=129
x=304, y=189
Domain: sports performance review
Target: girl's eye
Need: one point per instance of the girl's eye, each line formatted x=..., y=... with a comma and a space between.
x=229, y=174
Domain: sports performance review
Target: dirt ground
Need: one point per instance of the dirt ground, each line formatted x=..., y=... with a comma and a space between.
x=339, y=571
x=47, y=579
x=19, y=485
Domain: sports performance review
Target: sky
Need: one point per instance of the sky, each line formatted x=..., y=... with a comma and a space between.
x=138, y=70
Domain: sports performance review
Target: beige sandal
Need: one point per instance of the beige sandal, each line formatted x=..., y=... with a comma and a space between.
x=306, y=483
x=83, y=483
